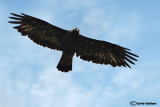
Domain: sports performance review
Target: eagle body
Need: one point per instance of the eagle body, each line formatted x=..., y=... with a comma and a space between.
x=69, y=45
x=70, y=42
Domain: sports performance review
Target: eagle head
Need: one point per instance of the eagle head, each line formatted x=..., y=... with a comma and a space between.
x=76, y=29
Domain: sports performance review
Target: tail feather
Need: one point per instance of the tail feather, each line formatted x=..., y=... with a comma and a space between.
x=65, y=63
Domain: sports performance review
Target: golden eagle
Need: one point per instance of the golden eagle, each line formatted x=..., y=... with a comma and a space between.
x=71, y=42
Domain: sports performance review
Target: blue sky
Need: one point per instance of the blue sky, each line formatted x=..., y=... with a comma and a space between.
x=28, y=74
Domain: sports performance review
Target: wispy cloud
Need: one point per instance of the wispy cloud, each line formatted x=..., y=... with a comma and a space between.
x=113, y=26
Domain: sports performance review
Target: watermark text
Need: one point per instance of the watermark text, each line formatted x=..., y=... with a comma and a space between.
x=136, y=103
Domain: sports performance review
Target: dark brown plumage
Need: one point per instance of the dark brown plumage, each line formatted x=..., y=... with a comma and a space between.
x=71, y=42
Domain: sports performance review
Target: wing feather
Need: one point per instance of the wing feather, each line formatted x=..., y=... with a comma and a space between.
x=102, y=52
x=39, y=31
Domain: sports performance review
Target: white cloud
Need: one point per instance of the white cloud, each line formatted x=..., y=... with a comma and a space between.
x=113, y=27
x=62, y=89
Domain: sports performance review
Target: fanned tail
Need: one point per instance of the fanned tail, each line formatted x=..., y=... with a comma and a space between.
x=65, y=63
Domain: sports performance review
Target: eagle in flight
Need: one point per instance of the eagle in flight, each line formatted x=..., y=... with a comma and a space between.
x=71, y=42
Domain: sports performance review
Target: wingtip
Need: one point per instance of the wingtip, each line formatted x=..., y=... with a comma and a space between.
x=15, y=22
x=9, y=21
x=16, y=15
x=132, y=54
x=23, y=14
x=11, y=13
x=137, y=56
x=127, y=64
x=127, y=49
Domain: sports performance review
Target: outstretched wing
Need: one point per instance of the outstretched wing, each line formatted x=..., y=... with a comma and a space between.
x=102, y=52
x=39, y=31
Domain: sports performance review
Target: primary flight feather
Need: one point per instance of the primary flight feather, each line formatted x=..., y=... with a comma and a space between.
x=71, y=42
